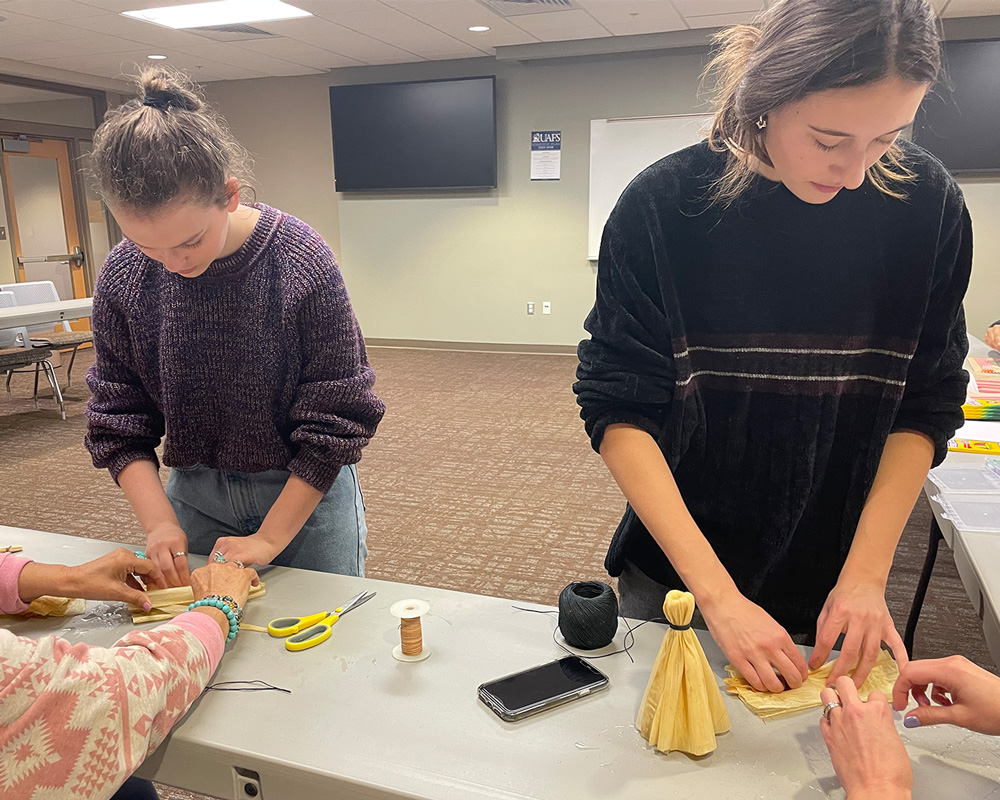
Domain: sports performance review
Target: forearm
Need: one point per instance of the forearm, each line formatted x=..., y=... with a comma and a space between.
x=140, y=481
x=645, y=479
x=902, y=471
x=37, y=579
x=289, y=512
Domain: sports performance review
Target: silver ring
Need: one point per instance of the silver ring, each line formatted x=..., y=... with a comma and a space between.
x=239, y=563
x=218, y=557
x=179, y=554
x=828, y=708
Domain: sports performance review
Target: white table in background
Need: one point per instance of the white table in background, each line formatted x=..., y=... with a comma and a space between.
x=360, y=724
x=41, y=313
x=971, y=549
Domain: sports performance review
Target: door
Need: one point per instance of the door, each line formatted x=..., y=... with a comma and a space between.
x=42, y=207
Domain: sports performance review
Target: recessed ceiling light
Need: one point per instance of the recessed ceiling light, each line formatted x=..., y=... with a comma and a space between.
x=479, y=28
x=156, y=58
x=220, y=12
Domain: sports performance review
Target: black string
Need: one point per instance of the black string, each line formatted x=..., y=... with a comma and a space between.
x=229, y=686
x=679, y=627
x=628, y=641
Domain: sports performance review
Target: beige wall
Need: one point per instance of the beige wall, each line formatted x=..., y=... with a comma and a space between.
x=76, y=111
x=982, y=303
x=461, y=266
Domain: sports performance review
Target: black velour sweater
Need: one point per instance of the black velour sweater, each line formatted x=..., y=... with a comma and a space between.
x=769, y=348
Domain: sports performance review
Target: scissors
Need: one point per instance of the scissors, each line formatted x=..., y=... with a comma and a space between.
x=316, y=628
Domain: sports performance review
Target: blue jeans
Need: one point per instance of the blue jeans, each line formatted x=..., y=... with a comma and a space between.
x=210, y=503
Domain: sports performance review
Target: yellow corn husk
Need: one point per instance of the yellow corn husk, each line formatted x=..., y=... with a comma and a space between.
x=168, y=603
x=682, y=708
x=771, y=705
x=46, y=606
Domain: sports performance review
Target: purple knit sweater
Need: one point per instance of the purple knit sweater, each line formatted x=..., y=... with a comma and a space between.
x=257, y=364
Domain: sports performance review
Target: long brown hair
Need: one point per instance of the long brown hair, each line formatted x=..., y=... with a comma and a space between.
x=798, y=47
x=163, y=144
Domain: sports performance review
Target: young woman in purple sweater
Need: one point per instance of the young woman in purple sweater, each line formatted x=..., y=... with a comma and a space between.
x=225, y=328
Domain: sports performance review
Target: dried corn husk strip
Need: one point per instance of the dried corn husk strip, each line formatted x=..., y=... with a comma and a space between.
x=771, y=705
x=46, y=606
x=168, y=603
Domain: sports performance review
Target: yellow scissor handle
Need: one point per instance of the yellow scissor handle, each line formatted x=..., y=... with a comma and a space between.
x=310, y=637
x=285, y=626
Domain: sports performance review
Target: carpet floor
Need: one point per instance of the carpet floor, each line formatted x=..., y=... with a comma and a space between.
x=480, y=479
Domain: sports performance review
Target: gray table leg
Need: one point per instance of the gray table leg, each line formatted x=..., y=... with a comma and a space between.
x=925, y=579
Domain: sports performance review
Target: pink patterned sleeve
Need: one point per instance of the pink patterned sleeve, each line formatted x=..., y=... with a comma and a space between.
x=76, y=720
x=10, y=571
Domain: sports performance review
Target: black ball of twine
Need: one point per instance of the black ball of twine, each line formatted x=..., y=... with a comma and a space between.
x=588, y=614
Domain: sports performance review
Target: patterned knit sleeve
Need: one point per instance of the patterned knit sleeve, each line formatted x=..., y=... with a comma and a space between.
x=626, y=371
x=335, y=411
x=936, y=381
x=76, y=720
x=123, y=422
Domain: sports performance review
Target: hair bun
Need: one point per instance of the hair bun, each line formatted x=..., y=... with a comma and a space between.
x=165, y=89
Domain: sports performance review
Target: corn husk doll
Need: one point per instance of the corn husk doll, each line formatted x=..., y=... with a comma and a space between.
x=682, y=708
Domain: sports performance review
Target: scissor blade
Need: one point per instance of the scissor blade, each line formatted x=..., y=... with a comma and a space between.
x=354, y=602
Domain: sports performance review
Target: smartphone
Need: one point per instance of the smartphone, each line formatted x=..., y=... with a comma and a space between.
x=522, y=694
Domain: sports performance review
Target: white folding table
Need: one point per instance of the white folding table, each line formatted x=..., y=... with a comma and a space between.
x=359, y=724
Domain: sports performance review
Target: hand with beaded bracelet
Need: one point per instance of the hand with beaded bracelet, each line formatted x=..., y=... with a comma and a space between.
x=221, y=591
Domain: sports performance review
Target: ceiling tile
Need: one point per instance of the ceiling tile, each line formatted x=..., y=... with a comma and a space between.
x=298, y=53
x=10, y=37
x=118, y=6
x=721, y=20
x=338, y=39
x=972, y=8
x=49, y=31
x=653, y=15
x=544, y=25
x=705, y=8
x=49, y=9
x=10, y=18
x=125, y=64
x=398, y=29
x=92, y=45
x=455, y=17
x=136, y=30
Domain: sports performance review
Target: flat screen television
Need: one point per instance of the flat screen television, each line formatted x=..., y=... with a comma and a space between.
x=958, y=120
x=415, y=135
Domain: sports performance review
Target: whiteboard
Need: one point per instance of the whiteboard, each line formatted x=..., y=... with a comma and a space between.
x=622, y=148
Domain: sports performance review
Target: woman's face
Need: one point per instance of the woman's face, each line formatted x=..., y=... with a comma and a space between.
x=184, y=235
x=827, y=141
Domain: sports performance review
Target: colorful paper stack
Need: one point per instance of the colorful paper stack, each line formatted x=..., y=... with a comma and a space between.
x=981, y=408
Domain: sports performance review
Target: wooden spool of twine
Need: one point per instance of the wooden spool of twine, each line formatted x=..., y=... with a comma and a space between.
x=411, y=645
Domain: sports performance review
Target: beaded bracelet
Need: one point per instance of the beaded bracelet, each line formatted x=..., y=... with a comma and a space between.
x=215, y=601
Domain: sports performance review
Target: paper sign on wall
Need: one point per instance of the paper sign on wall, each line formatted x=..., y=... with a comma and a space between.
x=546, y=150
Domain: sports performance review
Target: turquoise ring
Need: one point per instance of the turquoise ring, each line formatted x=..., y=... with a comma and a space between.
x=219, y=557
x=139, y=554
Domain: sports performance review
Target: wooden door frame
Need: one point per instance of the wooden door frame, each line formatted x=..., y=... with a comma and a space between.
x=72, y=136
x=59, y=150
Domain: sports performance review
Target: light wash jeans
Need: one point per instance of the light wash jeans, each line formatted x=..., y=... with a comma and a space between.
x=210, y=503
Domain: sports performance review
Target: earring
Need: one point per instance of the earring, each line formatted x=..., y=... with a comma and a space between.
x=761, y=122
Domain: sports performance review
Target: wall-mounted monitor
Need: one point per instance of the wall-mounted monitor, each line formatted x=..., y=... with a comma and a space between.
x=958, y=119
x=415, y=135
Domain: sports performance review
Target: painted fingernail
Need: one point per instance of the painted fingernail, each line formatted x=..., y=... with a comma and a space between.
x=146, y=606
x=911, y=722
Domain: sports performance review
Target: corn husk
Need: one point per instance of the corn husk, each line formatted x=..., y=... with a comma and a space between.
x=168, y=603
x=772, y=705
x=682, y=708
x=47, y=606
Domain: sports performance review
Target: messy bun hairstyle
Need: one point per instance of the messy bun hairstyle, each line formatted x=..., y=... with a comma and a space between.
x=165, y=143
x=798, y=47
